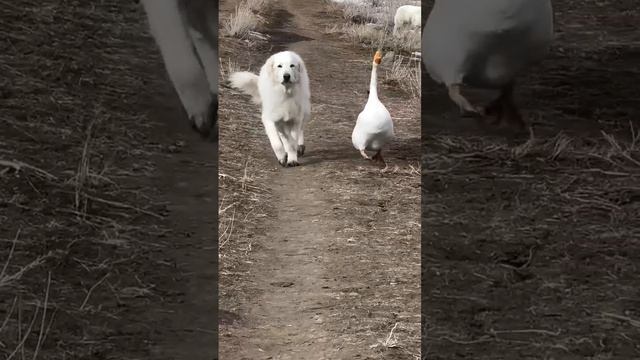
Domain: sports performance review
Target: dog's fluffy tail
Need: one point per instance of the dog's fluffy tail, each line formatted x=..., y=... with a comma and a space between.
x=246, y=82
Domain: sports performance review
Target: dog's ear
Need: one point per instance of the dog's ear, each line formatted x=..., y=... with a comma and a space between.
x=301, y=66
x=269, y=67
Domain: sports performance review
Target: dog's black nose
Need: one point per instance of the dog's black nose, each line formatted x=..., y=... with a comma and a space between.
x=286, y=77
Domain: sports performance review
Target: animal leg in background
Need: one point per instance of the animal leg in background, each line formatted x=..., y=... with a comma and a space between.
x=466, y=109
x=274, y=139
x=504, y=108
x=364, y=154
x=378, y=157
x=181, y=62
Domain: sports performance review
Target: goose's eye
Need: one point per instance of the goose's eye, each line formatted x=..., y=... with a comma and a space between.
x=279, y=66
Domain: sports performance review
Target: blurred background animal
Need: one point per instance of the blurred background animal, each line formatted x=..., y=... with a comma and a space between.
x=186, y=32
x=407, y=16
x=486, y=44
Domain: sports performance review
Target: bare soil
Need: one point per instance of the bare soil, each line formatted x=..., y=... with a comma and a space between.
x=107, y=199
x=531, y=247
x=319, y=261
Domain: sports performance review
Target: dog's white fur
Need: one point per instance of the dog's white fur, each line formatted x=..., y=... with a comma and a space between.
x=406, y=15
x=186, y=33
x=286, y=105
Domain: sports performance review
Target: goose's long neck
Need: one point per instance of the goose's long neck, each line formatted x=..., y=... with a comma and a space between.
x=373, y=90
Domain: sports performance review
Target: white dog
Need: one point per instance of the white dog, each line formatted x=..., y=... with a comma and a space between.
x=186, y=32
x=407, y=15
x=282, y=88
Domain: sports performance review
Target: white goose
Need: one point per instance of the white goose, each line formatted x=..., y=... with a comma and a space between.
x=486, y=44
x=374, y=127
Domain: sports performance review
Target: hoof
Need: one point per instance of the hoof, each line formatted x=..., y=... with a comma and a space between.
x=301, y=149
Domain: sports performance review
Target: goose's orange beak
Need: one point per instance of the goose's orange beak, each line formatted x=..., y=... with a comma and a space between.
x=377, y=58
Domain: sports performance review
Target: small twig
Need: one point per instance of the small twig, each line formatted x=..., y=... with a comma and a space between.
x=18, y=274
x=44, y=317
x=525, y=331
x=123, y=205
x=222, y=211
x=631, y=321
x=388, y=341
x=18, y=165
x=13, y=246
x=482, y=339
x=6, y=319
x=610, y=173
x=625, y=154
x=86, y=299
x=229, y=228
x=206, y=331
x=244, y=176
x=26, y=335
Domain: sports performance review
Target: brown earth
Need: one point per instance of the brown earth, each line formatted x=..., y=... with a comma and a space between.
x=108, y=200
x=319, y=261
x=531, y=251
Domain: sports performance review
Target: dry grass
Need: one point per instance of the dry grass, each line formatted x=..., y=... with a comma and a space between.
x=406, y=73
x=579, y=204
x=402, y=71
x=242, y=197
x=246, y=19
x=370, y=23
x=227, y=68
x=377, y=37
x=74, y=156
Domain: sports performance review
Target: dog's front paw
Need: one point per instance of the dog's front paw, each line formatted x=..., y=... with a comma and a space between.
x=301, y=149
x=293, y=163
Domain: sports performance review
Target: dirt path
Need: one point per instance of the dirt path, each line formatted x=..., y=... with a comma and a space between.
x=326, y=267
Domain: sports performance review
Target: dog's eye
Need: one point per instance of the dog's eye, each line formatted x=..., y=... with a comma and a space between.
x=293, y=65
x=279, y=66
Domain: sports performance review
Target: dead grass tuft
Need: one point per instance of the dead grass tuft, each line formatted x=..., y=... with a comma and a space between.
x=405, y=72
x=246, y=18
x=370, y=23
